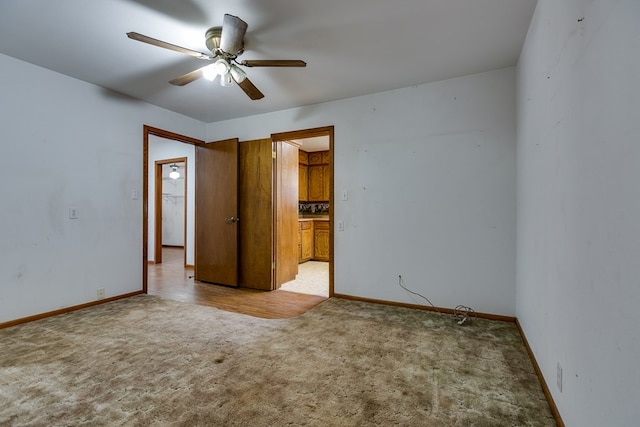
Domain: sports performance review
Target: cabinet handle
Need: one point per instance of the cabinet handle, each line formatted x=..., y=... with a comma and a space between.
x=231, y=220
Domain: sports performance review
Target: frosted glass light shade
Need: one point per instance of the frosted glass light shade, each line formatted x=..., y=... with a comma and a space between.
x=237, y=73
x=221, y=66
x=209, y=72
x=226, y=80
x=174, y=174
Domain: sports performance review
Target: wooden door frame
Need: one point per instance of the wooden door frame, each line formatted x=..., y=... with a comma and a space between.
x=310, y=133
x=146, y=131
x=157, y=247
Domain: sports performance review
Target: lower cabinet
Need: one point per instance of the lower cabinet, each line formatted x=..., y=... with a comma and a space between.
x=313, y=240
x=305, y=242
x=321, y=241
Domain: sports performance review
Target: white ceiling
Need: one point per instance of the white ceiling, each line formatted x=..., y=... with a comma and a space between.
x=316, y=143
x=352, y=47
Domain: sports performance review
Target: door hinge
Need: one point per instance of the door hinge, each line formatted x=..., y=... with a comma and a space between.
x=273, y=265
x=273, y=154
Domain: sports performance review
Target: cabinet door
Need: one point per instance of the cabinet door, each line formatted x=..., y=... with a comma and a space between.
x=303, y=157
x=306, y=240
x=315, y=158
x=303, y=183
x=316, y=185
x=307, y=244
x=325, y=182
x=299, y=243
x=321, y=241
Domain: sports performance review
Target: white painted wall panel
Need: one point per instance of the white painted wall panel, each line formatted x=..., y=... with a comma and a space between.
x=431, y=177
x=68, y=143
x=579, y=205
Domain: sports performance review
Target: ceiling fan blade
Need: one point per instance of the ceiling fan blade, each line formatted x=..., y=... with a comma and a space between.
x=155, y=42
x=187, y=78
x=250, y=89
x=274, y=63
x=233, y=29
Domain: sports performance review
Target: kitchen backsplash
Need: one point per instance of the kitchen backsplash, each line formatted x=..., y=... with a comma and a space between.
x=313, y=208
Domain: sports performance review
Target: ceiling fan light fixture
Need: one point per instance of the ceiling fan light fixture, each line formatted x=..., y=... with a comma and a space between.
x=237, y=73
x=174, y=174
x=221, y=66
x=209, y=72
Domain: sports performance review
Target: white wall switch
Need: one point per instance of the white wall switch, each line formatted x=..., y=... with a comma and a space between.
x=73, y=212
x=345, y=195
x=134, y=194
x=340, y=225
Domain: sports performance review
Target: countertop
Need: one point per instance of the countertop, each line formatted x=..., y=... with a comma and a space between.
x=313, y=218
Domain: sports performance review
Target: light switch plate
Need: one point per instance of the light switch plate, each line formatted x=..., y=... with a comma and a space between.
x=73, y=212
x=345, y=195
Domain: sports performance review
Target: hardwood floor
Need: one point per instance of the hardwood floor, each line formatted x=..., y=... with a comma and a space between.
x=172, y=280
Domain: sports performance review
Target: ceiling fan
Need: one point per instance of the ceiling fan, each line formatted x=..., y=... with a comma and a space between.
x=226, y=44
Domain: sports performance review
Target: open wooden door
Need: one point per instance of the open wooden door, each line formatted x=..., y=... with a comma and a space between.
x=216, y=213
x=286, y=212
x=256, y=209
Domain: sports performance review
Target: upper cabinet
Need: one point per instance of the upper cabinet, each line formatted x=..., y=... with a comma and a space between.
x=319, y=177
x=303, y=176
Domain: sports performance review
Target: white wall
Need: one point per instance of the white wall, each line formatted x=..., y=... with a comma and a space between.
x=578, y=288
x=161, y=149
x=431, y=174
x=68, y=143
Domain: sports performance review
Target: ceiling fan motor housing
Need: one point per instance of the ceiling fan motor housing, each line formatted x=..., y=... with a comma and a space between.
x=212, y=41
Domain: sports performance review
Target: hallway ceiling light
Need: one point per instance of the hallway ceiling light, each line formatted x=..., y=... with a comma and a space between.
x=174, y=174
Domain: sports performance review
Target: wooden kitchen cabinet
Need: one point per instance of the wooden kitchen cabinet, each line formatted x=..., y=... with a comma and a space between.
x=315, y=158
x=325, y=157
x=326, y=181
x=314, y=176
x=303, y=157
x=316, y=183
x=321, y=241
x=303, y=183
x=306, y=241
x=319, y=183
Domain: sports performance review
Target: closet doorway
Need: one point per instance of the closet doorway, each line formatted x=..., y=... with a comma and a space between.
x=170, y=216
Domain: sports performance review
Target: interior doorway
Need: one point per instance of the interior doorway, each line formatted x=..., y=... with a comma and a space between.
x=162, y=147
x=186, y=278
x=315, y=211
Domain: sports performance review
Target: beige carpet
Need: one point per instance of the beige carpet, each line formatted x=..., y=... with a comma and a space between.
x=151, y=361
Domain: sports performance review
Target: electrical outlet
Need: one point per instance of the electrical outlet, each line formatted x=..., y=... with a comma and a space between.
x=340, y=225
x=559, y=377
x=100, y=293
x=73, y=212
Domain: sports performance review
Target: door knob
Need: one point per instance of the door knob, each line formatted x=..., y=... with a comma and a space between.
x=231, y=220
